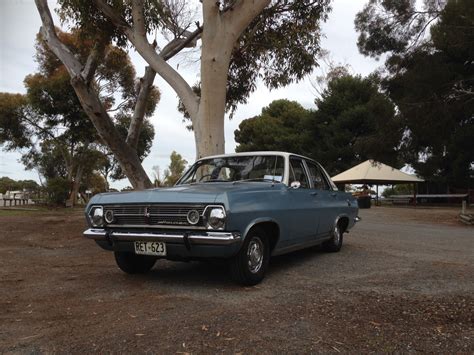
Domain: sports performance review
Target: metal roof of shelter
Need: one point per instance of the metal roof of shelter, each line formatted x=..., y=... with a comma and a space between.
x=373, y=172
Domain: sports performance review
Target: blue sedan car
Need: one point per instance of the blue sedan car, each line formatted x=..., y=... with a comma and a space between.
x=243, y=208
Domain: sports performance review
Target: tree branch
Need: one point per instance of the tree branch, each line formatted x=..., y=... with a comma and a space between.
x=229, y=6
x=157, y=62
x=138, y=18
x=244, y=11
x=48, y=31
x=178, y=44
x=92, y=62
x=140, y=107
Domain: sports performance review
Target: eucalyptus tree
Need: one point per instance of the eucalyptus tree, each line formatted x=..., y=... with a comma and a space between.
x=353, y=122
x=429, y=76
x=240, y=41
x=49, y=125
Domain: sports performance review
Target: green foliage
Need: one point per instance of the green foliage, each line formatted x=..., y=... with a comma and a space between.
x=175, y=169
x=95, y=183
x=145, y=143
x=57, y=190
x=7, y=184
x=13, y=131
x=434, y=89
x=278, y=127
x=394, y=26
x=353, y=122
x=50, y=122
x=48, y=160
x=432, y=84
x=280, y=46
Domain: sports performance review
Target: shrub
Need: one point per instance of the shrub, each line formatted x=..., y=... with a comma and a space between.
x=58, y=190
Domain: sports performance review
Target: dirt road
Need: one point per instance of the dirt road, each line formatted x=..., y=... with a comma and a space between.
x=401, y=283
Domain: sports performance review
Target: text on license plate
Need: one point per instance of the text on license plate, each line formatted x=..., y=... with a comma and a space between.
x=150, y=248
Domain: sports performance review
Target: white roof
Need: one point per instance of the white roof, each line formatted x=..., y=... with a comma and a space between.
x=267, y=152
x=373, y=172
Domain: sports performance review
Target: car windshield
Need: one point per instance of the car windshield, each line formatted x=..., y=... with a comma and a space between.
x=236, y=168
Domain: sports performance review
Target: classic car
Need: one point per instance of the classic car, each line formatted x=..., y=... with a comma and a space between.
x=242, y=207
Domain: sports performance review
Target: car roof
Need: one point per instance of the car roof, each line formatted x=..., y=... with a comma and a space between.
x=271, y=152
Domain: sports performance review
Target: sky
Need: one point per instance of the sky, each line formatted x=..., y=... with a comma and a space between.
x=19, y=24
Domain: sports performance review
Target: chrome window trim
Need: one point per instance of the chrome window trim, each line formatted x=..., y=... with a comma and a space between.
x=321, y=171
x=249, y=154
x=305, y=168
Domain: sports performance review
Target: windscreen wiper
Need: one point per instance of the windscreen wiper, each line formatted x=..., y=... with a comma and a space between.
x=256, y=179
x=215, y=180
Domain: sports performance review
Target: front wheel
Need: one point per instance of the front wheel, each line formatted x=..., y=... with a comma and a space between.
x=335, y=243
x=134, y=264
x=249, y=265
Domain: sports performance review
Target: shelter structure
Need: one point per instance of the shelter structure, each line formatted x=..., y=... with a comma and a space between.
x=371, y=172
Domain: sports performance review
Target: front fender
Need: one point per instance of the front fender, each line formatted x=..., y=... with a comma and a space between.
x=257, y=221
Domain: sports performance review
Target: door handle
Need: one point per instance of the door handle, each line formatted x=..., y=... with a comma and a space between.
x=314, y=193
x=334, y=194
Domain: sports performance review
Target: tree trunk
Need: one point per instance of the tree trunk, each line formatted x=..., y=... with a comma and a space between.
x=76, y=183
x=217, y=44
x=125, y=155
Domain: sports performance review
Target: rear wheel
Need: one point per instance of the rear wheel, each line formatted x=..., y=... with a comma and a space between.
x=335, y=243
x=249, y=265
x=134, y=264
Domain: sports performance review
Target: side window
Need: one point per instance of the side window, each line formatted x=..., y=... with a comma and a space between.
x=298, y=173
x=319, y=182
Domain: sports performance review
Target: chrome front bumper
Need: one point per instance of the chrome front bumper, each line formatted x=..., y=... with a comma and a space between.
x=206, y=238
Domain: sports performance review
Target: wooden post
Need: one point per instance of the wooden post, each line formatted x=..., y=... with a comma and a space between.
x=414, y=194
x=377, y=197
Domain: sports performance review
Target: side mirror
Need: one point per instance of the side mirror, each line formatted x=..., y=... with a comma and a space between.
x=295, y=185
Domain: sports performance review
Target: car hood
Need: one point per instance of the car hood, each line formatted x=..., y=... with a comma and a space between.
x=195, y=193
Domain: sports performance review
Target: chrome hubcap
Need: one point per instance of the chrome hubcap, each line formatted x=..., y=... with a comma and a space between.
x=255, y=255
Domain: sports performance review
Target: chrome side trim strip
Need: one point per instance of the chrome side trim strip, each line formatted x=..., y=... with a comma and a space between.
x=209, y=238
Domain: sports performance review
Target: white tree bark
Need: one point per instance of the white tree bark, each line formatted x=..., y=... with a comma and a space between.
x=140, y=107
x=147, y=51
x=81, y=76
x=220, y=31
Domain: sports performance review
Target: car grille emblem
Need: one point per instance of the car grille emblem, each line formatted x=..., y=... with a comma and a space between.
x=147, y=216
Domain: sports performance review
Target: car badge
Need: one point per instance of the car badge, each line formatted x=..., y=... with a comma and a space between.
x=147, y=216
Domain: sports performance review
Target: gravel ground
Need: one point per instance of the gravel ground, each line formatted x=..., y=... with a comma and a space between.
x=403, y=282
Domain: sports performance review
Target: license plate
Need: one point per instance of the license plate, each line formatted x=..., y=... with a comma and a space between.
x=150, y=248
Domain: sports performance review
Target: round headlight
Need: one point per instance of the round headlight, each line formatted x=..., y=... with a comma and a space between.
x=216, y=218
x=109, y=216
x=193, y=217
x=97, y=215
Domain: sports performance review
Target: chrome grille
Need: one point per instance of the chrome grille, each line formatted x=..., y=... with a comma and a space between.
x=158, y=215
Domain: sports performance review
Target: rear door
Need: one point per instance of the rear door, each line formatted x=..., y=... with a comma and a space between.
x=326, y=202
